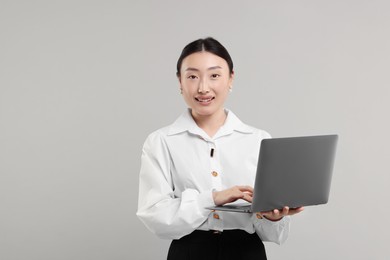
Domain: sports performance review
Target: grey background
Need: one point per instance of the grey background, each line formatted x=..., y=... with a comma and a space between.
x=82, y=83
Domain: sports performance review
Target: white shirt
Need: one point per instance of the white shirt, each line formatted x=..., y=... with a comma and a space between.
x=178, y=175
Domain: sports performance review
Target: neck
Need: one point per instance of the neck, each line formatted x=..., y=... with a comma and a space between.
x=210, y=123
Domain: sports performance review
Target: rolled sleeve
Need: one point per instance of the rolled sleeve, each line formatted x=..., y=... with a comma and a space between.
x=166, y=215
x=272, y=231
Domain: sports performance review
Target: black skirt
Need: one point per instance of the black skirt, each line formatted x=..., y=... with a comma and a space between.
x=211, y=245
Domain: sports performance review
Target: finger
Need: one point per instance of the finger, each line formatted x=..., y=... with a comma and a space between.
x=296, y=210
x=272, y=214
x=248, y=192
x=234, y=194
x=245, y=188
x=267, y=213
x=248, y=197
x=285, y=211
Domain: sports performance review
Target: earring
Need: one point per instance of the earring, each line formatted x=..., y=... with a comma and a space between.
x=181, y=91
x=230, y=88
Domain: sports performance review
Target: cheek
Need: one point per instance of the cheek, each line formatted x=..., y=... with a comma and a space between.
x=186, y=83
x=189, y=87
x=223, y=86
x=187, y=95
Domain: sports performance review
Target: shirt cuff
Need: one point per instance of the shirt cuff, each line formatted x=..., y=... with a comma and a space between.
x=272, y=231
x=206, y=200
x=282, y=221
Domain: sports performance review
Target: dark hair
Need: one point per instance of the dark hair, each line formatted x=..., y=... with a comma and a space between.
x=209, y=45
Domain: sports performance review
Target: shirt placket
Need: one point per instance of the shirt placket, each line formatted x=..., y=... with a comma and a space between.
x=215, y=219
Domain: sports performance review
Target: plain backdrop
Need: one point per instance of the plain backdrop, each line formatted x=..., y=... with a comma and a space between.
x=82, y=84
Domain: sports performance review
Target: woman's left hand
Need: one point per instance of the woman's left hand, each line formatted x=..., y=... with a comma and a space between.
x=276, y=215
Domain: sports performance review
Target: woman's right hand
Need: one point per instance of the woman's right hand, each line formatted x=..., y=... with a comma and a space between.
x=232, y=194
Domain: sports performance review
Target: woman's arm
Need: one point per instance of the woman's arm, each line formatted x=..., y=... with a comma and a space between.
x=166, y=214
x=274, y=226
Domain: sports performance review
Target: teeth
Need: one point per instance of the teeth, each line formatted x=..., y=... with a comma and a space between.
x=204, y=100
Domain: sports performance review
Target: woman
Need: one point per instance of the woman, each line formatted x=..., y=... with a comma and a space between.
x=207, y=157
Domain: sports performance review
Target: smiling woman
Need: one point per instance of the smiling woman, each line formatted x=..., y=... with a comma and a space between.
x=207, y=157
x=205, y=81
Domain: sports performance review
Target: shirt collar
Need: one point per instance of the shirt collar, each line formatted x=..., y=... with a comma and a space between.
x=186, y=123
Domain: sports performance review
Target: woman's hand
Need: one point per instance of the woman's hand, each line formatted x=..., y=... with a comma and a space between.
x=276, y=215
x=232, y=194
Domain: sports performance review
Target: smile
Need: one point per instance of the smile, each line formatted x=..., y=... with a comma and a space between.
x=204, y=100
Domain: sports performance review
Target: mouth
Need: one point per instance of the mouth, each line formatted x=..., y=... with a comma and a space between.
x=204, y=99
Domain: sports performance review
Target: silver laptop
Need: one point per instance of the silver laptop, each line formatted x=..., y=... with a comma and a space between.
x=293, y=172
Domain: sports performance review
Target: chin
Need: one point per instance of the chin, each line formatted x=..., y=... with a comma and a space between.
x=204, y=111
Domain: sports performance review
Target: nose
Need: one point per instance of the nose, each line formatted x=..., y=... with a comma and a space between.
x=203, y=87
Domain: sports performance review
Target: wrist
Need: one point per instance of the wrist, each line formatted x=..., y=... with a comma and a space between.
x=214, y=194
x=272, y=219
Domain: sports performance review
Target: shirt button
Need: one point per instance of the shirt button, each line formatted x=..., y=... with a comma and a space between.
x=216, y=216
x=259, y=216
x=214, y=173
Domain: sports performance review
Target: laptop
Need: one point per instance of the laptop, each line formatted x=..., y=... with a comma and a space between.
x=293, y=172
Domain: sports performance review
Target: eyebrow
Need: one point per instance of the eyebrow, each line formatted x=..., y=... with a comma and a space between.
x=211, y=68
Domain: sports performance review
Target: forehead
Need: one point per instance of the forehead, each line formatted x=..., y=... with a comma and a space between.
x=203, y=61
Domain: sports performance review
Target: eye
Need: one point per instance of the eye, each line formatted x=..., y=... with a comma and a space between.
x=214, y=76
x=192, y=77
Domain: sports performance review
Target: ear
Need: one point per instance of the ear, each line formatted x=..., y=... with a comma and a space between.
x=231, y=79
x=179, y=79
x=180, y=86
